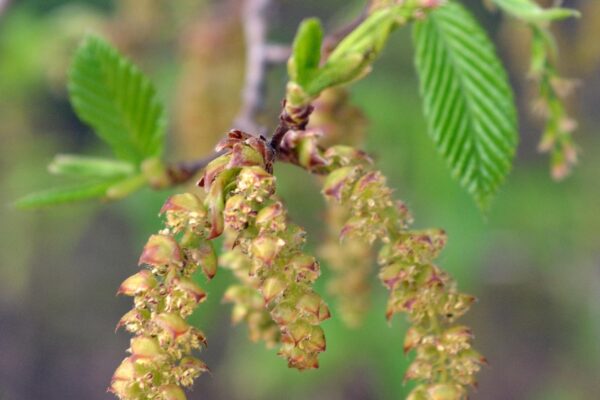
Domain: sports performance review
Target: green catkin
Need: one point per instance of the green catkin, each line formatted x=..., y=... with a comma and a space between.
x=162, y=359
x=350, y=260
x=264, y=246
x=445, y=363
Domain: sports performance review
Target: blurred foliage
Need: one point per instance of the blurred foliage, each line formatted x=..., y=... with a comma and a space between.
x=534, y=262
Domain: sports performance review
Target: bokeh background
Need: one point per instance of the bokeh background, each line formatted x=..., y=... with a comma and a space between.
x=533, y=262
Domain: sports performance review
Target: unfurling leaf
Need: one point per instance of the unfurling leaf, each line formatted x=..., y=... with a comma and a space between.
x=530, y=11
x=112, y=95
x=467, y=100
x=306, y=51
x=84, y=166
x=62, y=195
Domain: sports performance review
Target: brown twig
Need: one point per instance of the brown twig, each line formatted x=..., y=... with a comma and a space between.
x=260, y=56
x=4, y=6
x=255, y=32
x=286, y=123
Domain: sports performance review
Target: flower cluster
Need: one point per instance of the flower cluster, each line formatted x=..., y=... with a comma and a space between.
x=281, y=271
x=338, y=121
x=162, y=359
x=267, y=248
x=558, y=135
x=275, y=296
x=351, y=263
x=445, y=362
x=248, y=304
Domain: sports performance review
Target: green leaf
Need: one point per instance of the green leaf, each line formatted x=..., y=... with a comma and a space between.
x=63, y=195
x=112, y=95
x=370, y=36
x=352, y=57
x=342, y=72
x=125, y=187
x=530, y=11
x=83, y=166
x=467, y=100
x=306, y=53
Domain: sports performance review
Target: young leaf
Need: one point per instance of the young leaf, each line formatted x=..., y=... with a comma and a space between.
x=306, y=53
x=113, y=96
x=83, y=166
x=63, y=195
x=530, y=11
x=467, y=100
x=351, y=58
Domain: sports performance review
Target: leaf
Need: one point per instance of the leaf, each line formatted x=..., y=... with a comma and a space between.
x=352, y=57
x=467, y=100
x=530, y=11
x=306, y=53
x=112, y=95
x=69, y=194
x=343, y=71
x=83, y=166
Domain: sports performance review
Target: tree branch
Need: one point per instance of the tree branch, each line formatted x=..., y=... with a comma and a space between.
x=259, y=57
x=255, y=32
x=4, y=6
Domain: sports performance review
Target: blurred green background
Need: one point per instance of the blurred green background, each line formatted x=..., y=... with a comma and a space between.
x=533, y=262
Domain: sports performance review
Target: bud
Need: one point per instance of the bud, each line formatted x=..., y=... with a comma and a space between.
x=266, y=248
x=312, y=303
x=357, y=227
x=284, y=313
x=419, y=369
x=369, y=181
x=393, y=274
x=271, y=218
x=309, y=154
x=237, y=211
x=457, y=304
x=243, y=155
x=457, y=338
x=122, y=380
x=161, y=250
x=305, y=266
x=191, y=288
x=297, y=332
x=346, y=155
x=215, y=202
x=137, y=284
x=421, y=247
x=212, y=170
x=272, y=287
x=203, y=253
x=145, y=348
x=316, y=341
x=132, y=320
x=413, y=338
x=172, y=324
x=445, y=391
x=418, y=393
x=172, y=392
x=184, y=202
x=191, y=368
x=337, y=182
